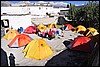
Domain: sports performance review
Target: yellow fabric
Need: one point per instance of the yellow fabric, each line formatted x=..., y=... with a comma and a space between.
x=51, y=25
x=37, y=51
x=11, y=34
x=41, y=27
x=80, y=28
x=92, y=30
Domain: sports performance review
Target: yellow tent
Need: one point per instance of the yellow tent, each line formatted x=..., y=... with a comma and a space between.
x=11, y=34
x=52, y=25
x=91, y=30
x=41, y=27
x=37, y=49
x=80, y=28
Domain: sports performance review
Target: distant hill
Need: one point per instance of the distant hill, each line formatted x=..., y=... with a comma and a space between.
x=54, y=4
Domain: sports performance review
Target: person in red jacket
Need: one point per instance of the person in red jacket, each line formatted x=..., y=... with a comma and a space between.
x=50, y=34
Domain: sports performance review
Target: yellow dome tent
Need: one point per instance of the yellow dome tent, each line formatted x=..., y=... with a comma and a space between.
x=92, y=31
x=80, y=28
x=37, y=49
x=52, y=25
x=41, y=27
x=11, y=34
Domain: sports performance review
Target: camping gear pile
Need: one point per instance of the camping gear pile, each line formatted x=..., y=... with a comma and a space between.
x=49, y=32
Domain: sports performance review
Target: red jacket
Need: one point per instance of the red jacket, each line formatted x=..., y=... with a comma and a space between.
x=50, y=32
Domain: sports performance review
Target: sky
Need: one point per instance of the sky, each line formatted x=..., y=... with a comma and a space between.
x=72, y=2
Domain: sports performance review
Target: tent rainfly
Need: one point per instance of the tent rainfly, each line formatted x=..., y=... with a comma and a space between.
x=37, y=49
x=20, y=40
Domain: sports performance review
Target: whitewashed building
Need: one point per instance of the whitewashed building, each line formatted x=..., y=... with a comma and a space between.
x=21, y=16
x=37, y=10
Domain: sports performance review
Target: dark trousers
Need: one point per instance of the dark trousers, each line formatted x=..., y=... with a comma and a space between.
x=12, y=63
x=49, y=37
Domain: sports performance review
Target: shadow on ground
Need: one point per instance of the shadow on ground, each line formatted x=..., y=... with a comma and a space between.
x=68, y=58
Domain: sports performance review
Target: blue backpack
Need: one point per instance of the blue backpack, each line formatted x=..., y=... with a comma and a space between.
x=21, y=29
x=57, y=32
